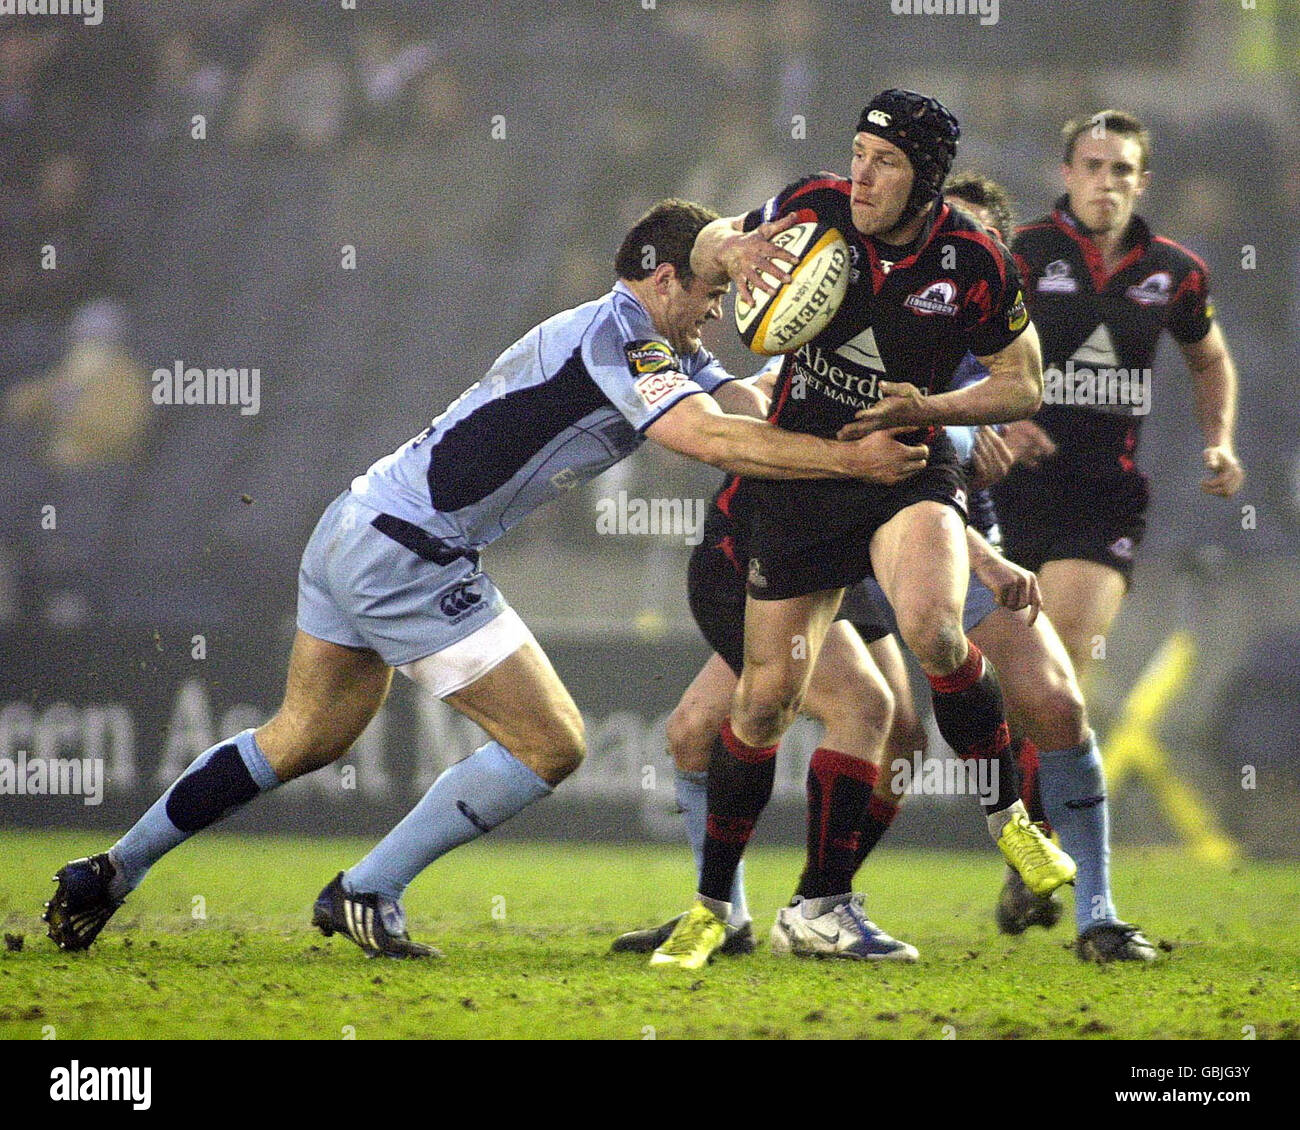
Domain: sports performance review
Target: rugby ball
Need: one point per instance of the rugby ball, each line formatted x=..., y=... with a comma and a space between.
x=802, y=308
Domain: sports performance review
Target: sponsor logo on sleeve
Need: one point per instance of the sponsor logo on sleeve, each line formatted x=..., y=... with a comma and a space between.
x=1017, y=316
x=1057, y=279
x=656, y=387
x=1152, y=290
x=649, y=357
x=937, y=298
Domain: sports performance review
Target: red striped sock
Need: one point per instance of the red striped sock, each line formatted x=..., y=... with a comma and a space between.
x=740, y=784
x=970, y=714
x=876, y=820
x=839, y=789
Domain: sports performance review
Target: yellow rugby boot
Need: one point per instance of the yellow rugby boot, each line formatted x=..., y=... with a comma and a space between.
x=693, y=941
x=1041, y=864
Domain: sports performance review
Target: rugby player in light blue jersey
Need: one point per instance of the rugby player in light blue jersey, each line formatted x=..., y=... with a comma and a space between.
x=391, y=579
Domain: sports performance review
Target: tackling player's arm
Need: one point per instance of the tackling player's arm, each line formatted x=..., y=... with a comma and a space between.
x=1013, y=390
x=697, y=426
x=1014, y=587
x=1215, y=378
x=752, y=395
x=742, y=398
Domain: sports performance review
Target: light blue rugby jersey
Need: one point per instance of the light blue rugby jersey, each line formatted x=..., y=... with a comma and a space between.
x=982, y=514
x=565, y=402
x=969, y=370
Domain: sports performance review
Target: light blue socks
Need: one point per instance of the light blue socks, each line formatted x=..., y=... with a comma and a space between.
x=1073, y=789
x=468, y=799
x=218, y=781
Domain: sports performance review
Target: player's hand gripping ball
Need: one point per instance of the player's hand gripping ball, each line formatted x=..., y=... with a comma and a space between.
x=803, y=307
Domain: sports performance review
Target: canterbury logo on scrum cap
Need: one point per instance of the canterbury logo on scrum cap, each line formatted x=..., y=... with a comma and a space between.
x=879, y=118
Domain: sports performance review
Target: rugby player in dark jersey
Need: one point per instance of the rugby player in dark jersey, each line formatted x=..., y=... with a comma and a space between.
x=859, y=691
x=928, y=285
x=1102, y=288
x=845, y=692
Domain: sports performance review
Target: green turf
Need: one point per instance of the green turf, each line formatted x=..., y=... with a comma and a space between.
x=526, y=928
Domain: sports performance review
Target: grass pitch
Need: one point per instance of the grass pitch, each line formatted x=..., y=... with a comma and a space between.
x=217, y=944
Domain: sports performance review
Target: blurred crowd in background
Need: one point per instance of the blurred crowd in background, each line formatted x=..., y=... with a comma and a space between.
x=197, y=171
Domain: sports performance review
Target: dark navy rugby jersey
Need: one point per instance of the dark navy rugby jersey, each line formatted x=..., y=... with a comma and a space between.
x=1099, y=332
x=983, y=516
x=569, y=399
x=956, y=290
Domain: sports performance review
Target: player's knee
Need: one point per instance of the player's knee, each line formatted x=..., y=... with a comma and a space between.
x=907, y=737
x=690, y=738
x=557, y=749
x=766, y=726
x=767, y=706
x=765, y=718
x=936, y=638
x=1059, y=718
x=865, y=706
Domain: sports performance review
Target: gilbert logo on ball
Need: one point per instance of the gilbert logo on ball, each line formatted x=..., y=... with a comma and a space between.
x=803, y=307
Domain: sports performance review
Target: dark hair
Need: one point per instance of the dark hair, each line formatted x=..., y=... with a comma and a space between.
x=984, y=192
x=665, y=234
x=1112, y=121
